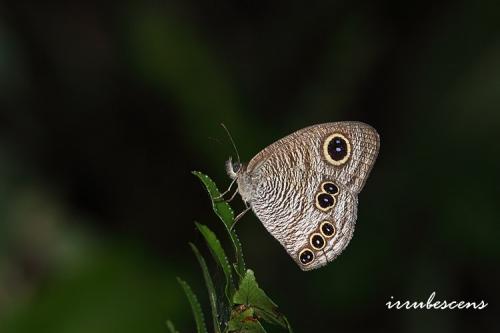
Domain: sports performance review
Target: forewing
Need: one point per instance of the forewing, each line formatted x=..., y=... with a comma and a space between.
x=307, y=149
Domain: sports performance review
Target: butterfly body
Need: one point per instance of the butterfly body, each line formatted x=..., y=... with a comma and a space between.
x=304, y=188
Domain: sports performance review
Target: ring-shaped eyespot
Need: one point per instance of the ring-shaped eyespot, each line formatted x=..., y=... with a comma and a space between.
x=324, y=201
x=327, y=229
x=306, y=256
x=330, y=188
x=317, y=241
x=336, y=149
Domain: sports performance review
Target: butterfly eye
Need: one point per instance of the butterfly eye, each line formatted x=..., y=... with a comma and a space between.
x=236, y=166
x=306, y=256
x=337, y=149
x=327, y=229
x=317, y=241
x=330, y=188
x=324, y=201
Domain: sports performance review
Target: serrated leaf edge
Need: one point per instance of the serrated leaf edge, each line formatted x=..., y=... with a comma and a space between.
x=220, y=257
x=195, y=306
x=212, y=295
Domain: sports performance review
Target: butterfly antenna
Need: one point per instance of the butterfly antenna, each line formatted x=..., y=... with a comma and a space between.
x=232, y=141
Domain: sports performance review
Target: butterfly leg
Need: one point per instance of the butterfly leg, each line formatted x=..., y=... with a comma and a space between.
x=221, y=196
x=232, y=196
x=240, y=215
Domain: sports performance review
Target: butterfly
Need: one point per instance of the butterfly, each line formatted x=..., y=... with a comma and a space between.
x=304, y=187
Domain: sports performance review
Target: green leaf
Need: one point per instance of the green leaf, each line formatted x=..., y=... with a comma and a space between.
x=195, y=307
x=171, y=327
x=251, y=295
x=250, y=304
x=221, y=207
x=226, y=214
x=210, y=287
x=220, y=257
x=243, y=321
x=288, y=326
x=240, y=262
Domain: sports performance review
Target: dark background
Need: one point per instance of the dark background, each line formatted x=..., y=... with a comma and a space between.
x=105, y=108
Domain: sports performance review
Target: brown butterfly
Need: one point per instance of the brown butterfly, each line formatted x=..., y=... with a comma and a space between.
x=304, y=188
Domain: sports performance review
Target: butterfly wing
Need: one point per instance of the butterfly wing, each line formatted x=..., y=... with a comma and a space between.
x=286, y=207
x=313, y=148
x=307, y=202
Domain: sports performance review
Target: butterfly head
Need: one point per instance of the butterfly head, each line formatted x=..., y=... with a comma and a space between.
x=233, y=168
